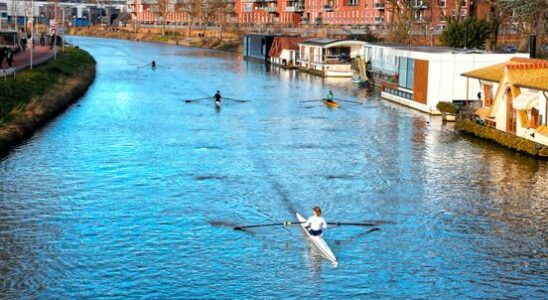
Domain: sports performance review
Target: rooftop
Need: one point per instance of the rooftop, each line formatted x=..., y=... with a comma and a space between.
x=522, y=72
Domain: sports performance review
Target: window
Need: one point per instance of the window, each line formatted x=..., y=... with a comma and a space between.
x=410, y=73
x=352, y=2
x=534, y=118
x=487, y=95
x=443, y=3
x=402, y=70
x=406, y=72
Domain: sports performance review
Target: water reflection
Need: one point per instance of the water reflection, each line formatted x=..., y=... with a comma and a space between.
x=134, y=193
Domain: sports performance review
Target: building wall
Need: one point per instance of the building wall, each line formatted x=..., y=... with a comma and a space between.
x=333, y=12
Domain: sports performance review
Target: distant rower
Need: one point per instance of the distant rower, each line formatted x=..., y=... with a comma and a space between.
x=153, y=64
x=217, y=97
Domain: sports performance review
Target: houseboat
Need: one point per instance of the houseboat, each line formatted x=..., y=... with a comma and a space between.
x=329, y=57
x=514, y=96
x=257, y=46
x=421, y=77
x=284, y=51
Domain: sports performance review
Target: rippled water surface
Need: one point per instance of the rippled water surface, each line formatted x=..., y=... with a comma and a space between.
x=132, y=192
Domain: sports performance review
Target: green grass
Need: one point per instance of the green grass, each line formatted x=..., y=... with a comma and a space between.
x=15, y=93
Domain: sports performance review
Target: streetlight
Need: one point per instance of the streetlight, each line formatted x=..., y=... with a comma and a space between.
x=32, y=33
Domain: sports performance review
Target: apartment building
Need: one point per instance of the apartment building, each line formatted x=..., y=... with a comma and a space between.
x=429, y=15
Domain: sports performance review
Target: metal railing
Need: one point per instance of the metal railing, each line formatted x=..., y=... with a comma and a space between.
x=294, y=8
x=326, y=59
x=270, y=9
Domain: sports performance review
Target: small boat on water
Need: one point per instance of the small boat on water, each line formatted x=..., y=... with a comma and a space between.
x=318, y=242
x=331, y=104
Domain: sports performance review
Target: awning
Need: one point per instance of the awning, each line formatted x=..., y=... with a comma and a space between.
x=526, y=101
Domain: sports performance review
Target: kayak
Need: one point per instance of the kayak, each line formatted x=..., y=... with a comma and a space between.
x=318, y=241
x=331, y=104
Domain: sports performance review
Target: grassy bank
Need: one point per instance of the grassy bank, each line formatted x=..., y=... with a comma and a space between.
x=35, y=96
x=505, y=139
x=229, y=42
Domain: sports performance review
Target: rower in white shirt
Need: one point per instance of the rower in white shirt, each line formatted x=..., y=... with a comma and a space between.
x=315, y=223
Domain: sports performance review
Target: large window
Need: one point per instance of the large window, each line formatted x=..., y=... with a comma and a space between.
x=406, y=72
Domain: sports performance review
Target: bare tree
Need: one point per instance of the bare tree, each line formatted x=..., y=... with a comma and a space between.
x=210, y=11
x=530, y=15
x=494, y=17
x=406, y=14
x=161, y=9
x=227, y=11
x=191, y=9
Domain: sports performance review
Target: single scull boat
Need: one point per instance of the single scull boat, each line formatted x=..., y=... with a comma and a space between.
x=318, y=241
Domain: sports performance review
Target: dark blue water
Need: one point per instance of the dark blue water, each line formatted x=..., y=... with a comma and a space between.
x=132, y=193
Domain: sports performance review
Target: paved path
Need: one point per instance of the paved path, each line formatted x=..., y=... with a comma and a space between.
x=21, y=60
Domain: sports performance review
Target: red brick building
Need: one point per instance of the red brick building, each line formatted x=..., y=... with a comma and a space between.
x=269, y=12
x=428, y=14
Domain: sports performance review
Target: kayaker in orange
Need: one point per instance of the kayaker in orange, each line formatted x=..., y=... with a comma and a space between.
x=315, y=223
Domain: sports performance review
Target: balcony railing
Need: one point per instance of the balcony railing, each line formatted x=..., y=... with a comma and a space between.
x=270, y=9
x=326, y=59
x=294, y=9
x=417, y=4
x=351, y=3
x=379, y=20
x=328, y=7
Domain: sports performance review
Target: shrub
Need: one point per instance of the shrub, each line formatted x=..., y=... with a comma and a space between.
x=446, y=107
x=475, y=31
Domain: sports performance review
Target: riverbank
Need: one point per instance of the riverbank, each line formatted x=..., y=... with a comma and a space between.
x=35, y=96
x=198, y=39
x=502, y=138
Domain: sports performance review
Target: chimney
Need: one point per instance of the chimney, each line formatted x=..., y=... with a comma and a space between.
x=532, y=46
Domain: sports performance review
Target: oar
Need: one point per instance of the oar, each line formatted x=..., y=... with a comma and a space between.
x=351, y=224
x=289, y=223
x=285, y=223
x=237, y=100
x=197, y=99
x=312, y=100
x=351, y=101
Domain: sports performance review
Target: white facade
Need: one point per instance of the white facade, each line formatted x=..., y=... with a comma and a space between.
x=24, y=7
x=288, y=58
x=445, y=67
x=315, y=56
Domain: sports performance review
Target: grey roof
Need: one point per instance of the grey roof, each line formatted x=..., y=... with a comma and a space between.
x=427, y=49
x=318, y=41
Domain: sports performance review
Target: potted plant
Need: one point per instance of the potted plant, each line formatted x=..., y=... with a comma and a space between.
x=448, y=111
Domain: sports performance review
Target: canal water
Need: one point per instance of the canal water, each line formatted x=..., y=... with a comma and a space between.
x=133, y=192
